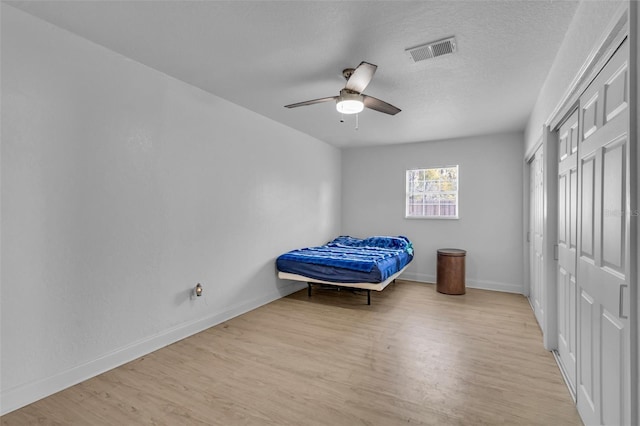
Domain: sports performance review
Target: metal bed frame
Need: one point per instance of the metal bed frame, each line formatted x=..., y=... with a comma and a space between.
x=362, y=286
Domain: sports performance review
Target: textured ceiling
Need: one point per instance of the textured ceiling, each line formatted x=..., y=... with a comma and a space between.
x=266, y=54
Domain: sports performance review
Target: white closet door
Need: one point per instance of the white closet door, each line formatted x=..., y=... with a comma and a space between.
x=603, y=386
x=567, y=244
x=536, y=295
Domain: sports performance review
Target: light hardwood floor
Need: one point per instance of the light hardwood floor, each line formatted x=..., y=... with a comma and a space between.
x=413, y=357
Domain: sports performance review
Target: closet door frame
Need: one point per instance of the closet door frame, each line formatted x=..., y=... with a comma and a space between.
x=634, y=134
x=549, y=321
x=535, y=201
x=567, y=241
x=550, y=143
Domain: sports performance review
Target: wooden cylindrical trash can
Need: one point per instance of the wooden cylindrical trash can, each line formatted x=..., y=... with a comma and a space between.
x=450, y=279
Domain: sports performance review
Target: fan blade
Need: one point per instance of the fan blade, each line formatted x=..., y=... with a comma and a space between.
x=378, y=105
x=314, y=101
x=361, y=77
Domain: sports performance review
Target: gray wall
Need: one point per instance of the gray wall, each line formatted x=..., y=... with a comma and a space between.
x=121, y=189
x=490, y=227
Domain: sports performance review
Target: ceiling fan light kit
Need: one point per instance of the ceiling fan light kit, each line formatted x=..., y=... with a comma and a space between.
x=349, y=103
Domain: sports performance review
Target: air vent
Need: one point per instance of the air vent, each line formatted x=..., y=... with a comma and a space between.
x=433, y=49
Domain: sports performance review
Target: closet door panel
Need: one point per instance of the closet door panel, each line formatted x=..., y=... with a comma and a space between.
x=588, y=337
x=604, y=366
x=587, y=209
x=613, y=344
x=616, y=93
x=567, y=229
x=613, y=190
x=590, y=116
x=573, y=208
x=536, y=293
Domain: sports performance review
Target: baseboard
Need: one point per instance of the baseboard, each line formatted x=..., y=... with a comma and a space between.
x=416, y=276
x=480, y=284
x=18, y=397
x=495, y=286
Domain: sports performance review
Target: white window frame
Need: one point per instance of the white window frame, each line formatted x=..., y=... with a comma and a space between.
x=425, y=215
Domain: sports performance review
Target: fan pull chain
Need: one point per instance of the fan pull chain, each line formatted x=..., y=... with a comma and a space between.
x=357, y=115
x=342, y=117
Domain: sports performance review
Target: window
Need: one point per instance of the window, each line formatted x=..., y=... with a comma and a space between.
x=432, y=193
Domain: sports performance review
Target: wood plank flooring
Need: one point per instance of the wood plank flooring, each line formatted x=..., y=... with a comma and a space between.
x=414, y=356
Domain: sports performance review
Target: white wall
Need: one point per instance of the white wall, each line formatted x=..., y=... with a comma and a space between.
x=121, y=189
x=587, y=26
x=490, y=224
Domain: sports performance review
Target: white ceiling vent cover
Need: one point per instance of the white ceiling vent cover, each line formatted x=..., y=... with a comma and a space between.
x=433, y=49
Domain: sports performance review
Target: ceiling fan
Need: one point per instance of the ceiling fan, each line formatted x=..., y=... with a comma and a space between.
x=351, y=100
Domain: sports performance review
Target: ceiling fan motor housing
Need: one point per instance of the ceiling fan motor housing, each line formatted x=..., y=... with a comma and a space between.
x=347, y=72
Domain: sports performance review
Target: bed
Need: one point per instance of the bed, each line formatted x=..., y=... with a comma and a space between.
x=366, y=264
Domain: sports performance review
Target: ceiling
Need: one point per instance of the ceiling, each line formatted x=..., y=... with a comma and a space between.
x=263, y=55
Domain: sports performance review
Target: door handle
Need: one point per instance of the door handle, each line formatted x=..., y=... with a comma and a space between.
x=621, y=302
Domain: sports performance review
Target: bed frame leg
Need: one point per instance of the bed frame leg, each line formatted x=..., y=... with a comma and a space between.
x=309, y=289
x=368, y=297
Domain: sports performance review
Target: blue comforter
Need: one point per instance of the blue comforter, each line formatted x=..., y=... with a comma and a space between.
x=348, y=259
